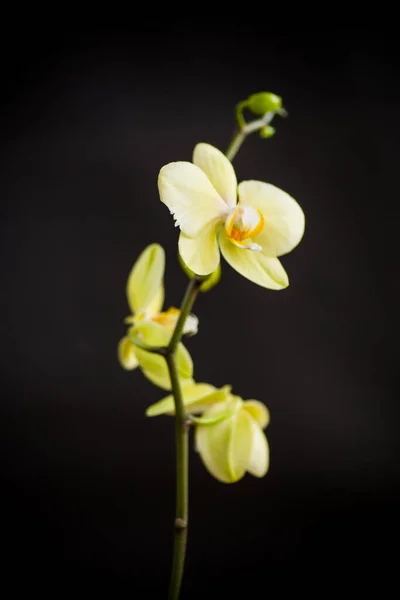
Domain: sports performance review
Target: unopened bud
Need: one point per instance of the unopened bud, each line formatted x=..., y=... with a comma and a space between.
x=267, y=132
x=264, y=102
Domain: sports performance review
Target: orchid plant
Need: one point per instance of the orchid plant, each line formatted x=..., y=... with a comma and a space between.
x=251, y=224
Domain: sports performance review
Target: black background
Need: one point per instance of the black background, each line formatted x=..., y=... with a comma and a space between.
x=87, y=482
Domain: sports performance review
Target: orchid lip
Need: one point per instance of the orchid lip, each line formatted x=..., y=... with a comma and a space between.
x=242, y=224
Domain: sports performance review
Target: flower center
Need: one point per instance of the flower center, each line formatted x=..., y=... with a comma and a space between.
x=245, y=222
x=167, y=318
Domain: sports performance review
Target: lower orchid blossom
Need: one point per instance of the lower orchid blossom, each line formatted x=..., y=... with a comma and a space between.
x=251, y=231
x=229, y=434
x=145, y=295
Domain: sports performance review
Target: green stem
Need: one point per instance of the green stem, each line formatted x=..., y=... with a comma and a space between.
x=182, y=480
x=244, y=131
x=186, y=306
x=182, y=445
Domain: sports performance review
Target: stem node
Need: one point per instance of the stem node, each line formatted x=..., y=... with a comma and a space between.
x=180, y=523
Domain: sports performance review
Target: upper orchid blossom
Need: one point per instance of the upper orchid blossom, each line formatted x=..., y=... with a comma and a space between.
x=252, y=224
x=145, y=295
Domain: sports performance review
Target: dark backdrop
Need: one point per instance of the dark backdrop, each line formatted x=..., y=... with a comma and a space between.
x=87, y=481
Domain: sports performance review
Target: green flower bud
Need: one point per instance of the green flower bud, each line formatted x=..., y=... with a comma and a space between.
x=209, y=281
x=264, y=102
x=267, y=132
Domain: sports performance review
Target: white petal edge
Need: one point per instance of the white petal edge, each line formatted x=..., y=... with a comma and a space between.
x=191, y=325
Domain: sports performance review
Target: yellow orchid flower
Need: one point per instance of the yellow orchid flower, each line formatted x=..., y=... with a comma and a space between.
x=231, y=446
x=251, y=233
x=229, y=435
x=145, y=295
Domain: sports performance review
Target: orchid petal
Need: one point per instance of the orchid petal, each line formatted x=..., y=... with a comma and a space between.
x=126, y=354
x=284, y=219
x=201, y=254
x=258, y=464
x=254, y=265
x=219, y=171
x=190, y=197
x=216, y=443
x=153, y=365
x=258, y=411
x=144, y=285
x=190, y=395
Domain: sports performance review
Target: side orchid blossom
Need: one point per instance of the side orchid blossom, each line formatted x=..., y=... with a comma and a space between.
x=252, y=224
x=229, y=435
x=145, y=295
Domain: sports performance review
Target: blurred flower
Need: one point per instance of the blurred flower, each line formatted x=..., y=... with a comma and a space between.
x=145, y=295
x=229, y=434
x=265, y=222
x=197, y=397
x=237, y=443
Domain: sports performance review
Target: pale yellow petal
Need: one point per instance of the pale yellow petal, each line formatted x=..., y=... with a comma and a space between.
x=153, y=365
x=229, y=410
x=201, y=254
x=259, y=459
x=212, y=443
x=204, y=403
x=258, y=411
x=190, y=393
x=151, y=333
x=197, y=397
x=241, y=444
x=262, y=270
x=190, y=197
x=155, y=368
x=126, y=354
x=155, y=306
x=157, y=373
x=145, y=279
x=218, y=169
x=284, y=219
